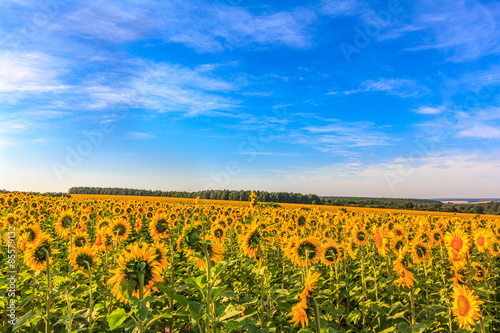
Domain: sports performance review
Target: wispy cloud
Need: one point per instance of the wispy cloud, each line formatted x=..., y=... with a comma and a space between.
x=481, y=131
x=466, y=30
x=341, y=7
x=428, y=177
x=340, y=137
x=429, y=110
x=397, y=87
x=22, y=72
x=139, y=135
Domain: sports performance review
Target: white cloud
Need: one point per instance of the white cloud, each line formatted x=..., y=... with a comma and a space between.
x=397, y=87
x=481, y=131
x=341, y=7
x=429, y=110
x=23, y=72
x=465, y=30
x=427, y=177
x=139, y=135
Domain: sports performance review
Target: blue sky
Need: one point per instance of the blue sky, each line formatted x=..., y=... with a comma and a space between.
x=334, y=97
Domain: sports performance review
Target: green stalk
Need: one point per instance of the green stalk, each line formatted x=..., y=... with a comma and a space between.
x=316, y=316
x=91, y=301
x=412, y=308
x=209, y=289
x=140, y=277
x=47, y=303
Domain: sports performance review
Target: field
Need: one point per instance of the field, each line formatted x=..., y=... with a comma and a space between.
x=142, y=264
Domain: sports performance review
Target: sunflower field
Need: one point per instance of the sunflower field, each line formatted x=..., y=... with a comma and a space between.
x=109, y=264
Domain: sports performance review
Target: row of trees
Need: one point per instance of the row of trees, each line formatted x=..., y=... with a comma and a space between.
x=263, y=196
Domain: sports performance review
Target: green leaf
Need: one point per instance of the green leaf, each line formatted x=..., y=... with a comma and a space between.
x=182, y=300
x=24, y=319
x=229, y=312
x=143, y=311
x=197, y=282
x=116, y=318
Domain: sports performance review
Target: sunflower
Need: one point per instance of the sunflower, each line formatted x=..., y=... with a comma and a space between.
x=215, y=253
x=380, y=241
x=218, y=232
x=436, y=237
x=103, y=240
x=81, y=255
x=458, y=272
x=359, y=235
x=251, y=242
x=64, y=224
x=161, y=255
x=80, y=239
x=120, y=229
x=190, y=239
x=35, y=256
x=398, y=243
x=457, y=242
x=138, y=259
x=481, y=272
x=298, y=313
x=103, y=223
x=307, y=250
x=332, y=254
x=29, y=235
x=159, y=227
x=465, y=306
x=494, y=247
x=482, y=239
x=406, y=278
x=420, y=252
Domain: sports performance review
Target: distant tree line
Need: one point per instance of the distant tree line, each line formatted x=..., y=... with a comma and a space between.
x=46, y=194
x=492, y=208
x=263, y=196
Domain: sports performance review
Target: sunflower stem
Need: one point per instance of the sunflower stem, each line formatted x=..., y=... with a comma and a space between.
x=140, y=277
x=91, y=301
x=316, y=316
x=412, y=308
x=47, y=303
x=208, y=323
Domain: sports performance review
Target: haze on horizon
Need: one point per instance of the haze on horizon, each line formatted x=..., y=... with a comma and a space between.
x=333, y=97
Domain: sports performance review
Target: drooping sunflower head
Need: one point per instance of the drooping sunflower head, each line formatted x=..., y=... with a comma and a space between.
x=159, y=227
x=218, y=232
x=80, y=239
x=29, y=234
x=332, y=254
x=190, y=239
x=420, y=251
x=307, y=250
x=436, y=237
x=481, y=271
x=251, y=242
x=64, y=223
x=398, y=244
x=359, y=236
x=81, y=256
x=120, y=229
x=36, y=253
x=136, y=261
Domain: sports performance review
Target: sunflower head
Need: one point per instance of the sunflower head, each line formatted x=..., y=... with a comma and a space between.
x=465, y=306
x=36, y=254
x=332, y=254
x=83, y=256
x=137, y=263
x=307, y=250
